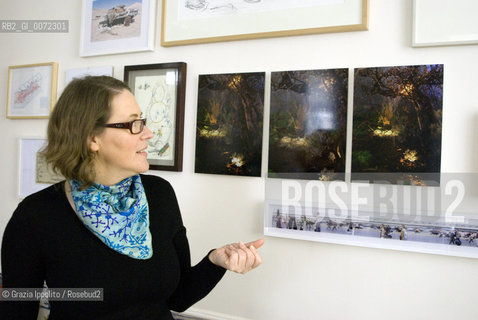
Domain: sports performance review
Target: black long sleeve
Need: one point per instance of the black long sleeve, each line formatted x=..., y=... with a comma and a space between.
x=45, y=241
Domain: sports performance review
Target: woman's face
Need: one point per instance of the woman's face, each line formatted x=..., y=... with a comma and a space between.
x=119, y=153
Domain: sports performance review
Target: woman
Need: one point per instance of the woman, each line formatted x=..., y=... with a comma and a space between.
x=107, y=226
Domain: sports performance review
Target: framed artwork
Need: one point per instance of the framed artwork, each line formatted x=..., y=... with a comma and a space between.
x=34, y=173
x=31, y=90
x=117, y=26
x=397, y=123
x=201, y=21
x=423, y=234
x=229, y=124
x=160, y=91
x=308, y=120
x=443, y=22
x=91, y=71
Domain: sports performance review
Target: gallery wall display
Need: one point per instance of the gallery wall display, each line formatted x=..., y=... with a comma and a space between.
x=230, y=123
x=308, y=120
x=397, y=123
x=160, y=92
x=425, y=234
x=444, y=22
x=31, y=90
x=117, y=26
x=201, y=21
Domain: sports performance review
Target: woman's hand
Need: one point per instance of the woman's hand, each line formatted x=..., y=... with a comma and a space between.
x=238, y=257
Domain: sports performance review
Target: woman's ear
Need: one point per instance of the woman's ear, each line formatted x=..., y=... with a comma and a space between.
x=94, y=143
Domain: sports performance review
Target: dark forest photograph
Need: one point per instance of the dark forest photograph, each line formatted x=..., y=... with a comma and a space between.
x=308, y=120
x=230, y=123
x=397, y=123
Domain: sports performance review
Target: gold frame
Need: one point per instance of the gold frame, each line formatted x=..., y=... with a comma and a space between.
x=363, y=25
x=52, y=90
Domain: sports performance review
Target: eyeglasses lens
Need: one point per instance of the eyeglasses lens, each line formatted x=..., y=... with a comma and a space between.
x=137, y=126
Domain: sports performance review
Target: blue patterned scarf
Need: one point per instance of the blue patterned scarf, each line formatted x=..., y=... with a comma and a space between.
x=118, y=215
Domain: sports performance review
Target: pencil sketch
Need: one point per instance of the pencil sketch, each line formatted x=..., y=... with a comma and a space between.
x=158, y=96
x=198, y=9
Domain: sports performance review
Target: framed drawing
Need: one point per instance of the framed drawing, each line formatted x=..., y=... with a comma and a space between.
x=444, y=22
x=117, y=26
x=202, y=21
x=160, y=91
x=31, y=90
x=34, y=173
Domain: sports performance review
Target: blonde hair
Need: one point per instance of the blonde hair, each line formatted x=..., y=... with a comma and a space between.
x=82, y=111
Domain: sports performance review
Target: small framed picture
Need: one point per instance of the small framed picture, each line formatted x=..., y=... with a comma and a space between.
x=117, y=26
x=160, y=92
x=34, y=172
x=31, y=90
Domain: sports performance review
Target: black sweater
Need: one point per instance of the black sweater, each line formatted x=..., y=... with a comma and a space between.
x=44, y=240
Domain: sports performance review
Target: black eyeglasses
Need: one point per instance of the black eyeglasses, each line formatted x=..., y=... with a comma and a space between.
x=135, y=126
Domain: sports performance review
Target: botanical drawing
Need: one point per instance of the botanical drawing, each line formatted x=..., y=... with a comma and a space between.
x=157, y=99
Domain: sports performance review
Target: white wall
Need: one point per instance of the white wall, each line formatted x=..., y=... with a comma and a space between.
x=298, y=279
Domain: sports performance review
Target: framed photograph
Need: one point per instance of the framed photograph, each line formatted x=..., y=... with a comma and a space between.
x=444, y=22
x=424, y=234
x=201, y=21
x=34, y=173
x=71, y=74
x=160, y=91
x=308, y=120
x=117, y=26
x=31, y=90
x=229, y=124
x=397, y=124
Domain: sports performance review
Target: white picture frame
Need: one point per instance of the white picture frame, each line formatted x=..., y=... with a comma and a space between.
x=365, y=231
x=130, y=29
x=71, y=74
x=239, y=20
x=444, y=22
x=31, y=92
x=28, y=166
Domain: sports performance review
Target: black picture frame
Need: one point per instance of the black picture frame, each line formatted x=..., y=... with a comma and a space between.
x=160, y=91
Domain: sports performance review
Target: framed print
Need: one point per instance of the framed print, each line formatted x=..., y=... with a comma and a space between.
x=90, y=71
x=229, y=124
x=117, y=26
x=424, y=234
x=397, y=123
x=444, y=22
x=160, y=91
x=308, y=120
x=31, y=90
x=34, y=173
x=201, y=21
